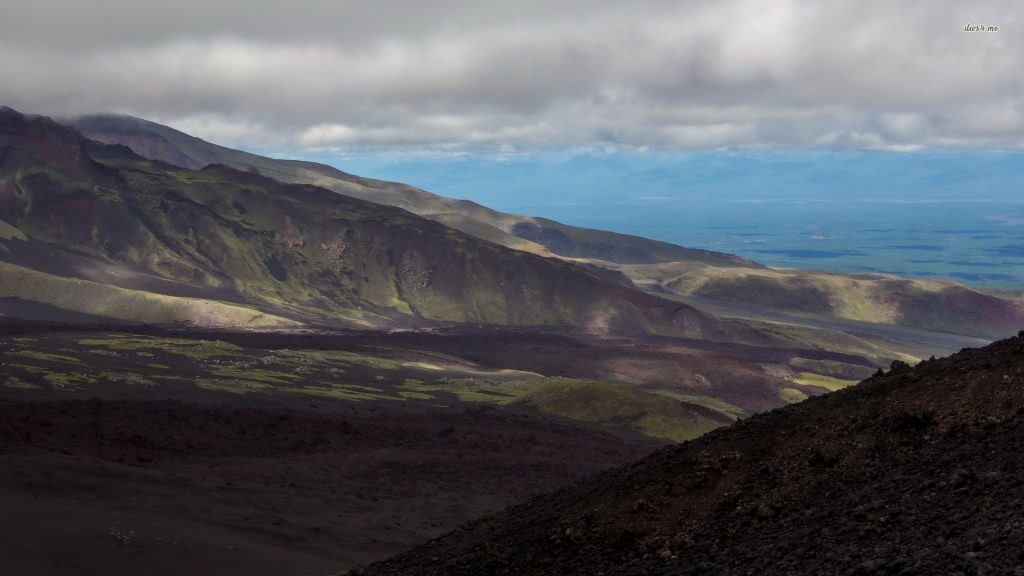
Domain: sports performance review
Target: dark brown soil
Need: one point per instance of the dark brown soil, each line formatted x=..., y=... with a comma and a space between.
x=918, y=471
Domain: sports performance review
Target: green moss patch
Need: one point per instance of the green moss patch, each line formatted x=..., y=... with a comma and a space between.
x=259, y=375
x=343, y=392
x=195, y=349
x=731, y=411
x=45, y=356
x=470, y=389
x=8, y=232
x=69, y=380
x=113, y=302
x=620, y=406
x=233, y=386
x=18, y=384
x=826, y=382
x=792, y=395
x=832, y=368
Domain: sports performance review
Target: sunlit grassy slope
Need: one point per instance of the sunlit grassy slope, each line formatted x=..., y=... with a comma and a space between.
x=123, y=304
x=884, y=299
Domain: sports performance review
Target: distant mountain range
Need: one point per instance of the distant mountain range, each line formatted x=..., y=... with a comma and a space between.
x=689, y=275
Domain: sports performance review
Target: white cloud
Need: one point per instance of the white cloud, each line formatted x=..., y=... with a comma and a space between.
x=530, y=74
x=219, y=129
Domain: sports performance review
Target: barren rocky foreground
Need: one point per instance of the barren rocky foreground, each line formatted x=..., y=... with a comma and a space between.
x=917, y=471
x=166, y=451
x=128, y=453
x=128, y=487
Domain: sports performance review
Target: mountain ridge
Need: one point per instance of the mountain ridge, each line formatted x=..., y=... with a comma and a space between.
x=295, y=251
x=668, y=271
x=533, y=234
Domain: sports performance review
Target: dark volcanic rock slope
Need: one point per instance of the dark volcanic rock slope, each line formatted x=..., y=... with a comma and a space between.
x=73, y=207
x=918, y=471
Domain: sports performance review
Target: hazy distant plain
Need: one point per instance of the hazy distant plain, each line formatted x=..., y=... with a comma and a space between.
x=948, y=214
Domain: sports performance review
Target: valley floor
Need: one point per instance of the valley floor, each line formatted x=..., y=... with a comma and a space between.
x=127, y=450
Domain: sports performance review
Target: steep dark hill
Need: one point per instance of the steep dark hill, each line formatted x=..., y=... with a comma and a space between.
x=917, y=471
x=537, y=235
x=75, y=208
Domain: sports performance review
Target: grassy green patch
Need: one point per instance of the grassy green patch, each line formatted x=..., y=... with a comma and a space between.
x=792, y=395
x=342, y=392
x=423, y=365
x=69, y=380
x=169, y=377
x=254, y=374
x=19, y=384
x=590, y=401
x=126, y=378
x=409, y=395
x=652, y=414
x=833, y=368
x=334, y=357
x=114, y=302
x=470, y=389
x=8, y=232
x=233, y=386
x=826, y=382
x=359, y=387
x=718, y=405
x=195, y=349
x=30, y=369
x=45, y=356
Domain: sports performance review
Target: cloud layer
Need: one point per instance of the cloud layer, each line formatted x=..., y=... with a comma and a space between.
x=530, y=75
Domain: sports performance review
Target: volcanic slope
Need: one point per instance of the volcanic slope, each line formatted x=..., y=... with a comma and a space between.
x=916, y=471
x=538, y=235
x=99, y=230
x=735, y=286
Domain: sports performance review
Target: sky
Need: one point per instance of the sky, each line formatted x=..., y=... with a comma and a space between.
x=415, y=76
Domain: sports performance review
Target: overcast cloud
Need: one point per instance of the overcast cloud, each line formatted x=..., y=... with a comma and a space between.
x=525, y=75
